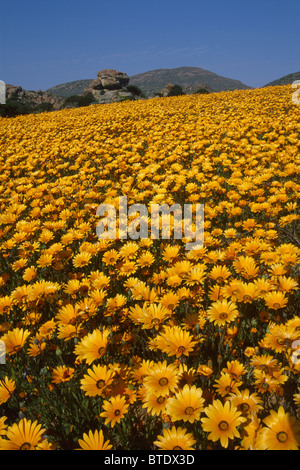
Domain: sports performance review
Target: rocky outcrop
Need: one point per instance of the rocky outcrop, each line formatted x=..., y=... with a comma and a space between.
x=110, y=86
x=112, y=79
x=33, y=98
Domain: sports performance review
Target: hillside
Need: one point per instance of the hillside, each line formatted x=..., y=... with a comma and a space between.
x=151, y=82
x=189, y=78
x=70, y=88
x=286, y=80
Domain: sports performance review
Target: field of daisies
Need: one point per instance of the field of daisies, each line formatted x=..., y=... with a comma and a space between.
x=140, y=344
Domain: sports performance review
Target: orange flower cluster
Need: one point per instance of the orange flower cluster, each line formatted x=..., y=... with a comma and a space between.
x=114, y=338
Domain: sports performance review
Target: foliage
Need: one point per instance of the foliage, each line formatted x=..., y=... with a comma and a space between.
x=14, y=108
x=176, y=90
x=202, y=91
x=79, y=100
x=135, y=89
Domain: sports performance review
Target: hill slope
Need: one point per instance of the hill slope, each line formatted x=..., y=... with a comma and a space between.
x=70, y=88
x=187, y=77
x=153, y=81
x=286, y=80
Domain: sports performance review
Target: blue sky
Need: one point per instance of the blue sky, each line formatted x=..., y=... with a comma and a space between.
x=45, y=43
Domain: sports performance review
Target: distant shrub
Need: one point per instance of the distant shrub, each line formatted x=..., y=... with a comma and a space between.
x=176, y=90
x=14, y=108
x=201, y=91
x=79, y=100
x=44, y=107
x=135, y=90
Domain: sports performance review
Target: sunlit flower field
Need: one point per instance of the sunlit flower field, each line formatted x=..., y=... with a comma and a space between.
x=139, y=343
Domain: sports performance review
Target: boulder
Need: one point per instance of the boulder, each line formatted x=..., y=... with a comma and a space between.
x=112, y=79
x=112, y=96
x=96, y=84
x=110, y=87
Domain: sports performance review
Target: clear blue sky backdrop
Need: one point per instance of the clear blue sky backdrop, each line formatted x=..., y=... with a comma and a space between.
x=44, y=43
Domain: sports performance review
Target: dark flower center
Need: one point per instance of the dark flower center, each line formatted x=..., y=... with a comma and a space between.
x=163, y=381
x=245, y=407
x=100, y=383
x=282, y=436
x=160, y=400
x=25, y=446
x=223, y=425
x=189, y=410
x=247, y=297
x=223, y=315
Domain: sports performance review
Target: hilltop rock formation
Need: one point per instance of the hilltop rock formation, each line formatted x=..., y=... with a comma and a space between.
x=112, y=79
x=110, y=86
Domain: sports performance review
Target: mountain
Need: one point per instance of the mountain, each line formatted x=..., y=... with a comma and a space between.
x=151, y=82
x=286, y=80
x=189, y=78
